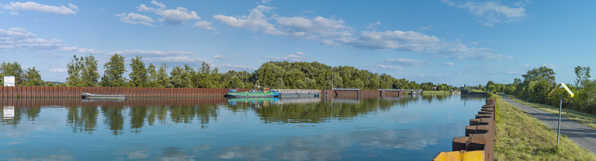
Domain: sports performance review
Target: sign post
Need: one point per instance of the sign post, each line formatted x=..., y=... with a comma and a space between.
x=560, y=107
x=9, y=81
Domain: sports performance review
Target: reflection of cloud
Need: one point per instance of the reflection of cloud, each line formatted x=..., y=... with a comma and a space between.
x=243, y=152
x=57, y=157
x=331, y=146
x=173, y=153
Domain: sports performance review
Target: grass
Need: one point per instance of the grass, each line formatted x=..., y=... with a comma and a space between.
x=436, y=92
x=581, y=117
x=519, y=136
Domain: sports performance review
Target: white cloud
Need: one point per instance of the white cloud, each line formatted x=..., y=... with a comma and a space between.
x=204, y=25
x=373, y=25
x=389, y=67
x=433, y=76
x=153, y=53
x=426, y=27
x=159, y=4
x=79, y=50
x=172, y=16
x=448, y=64
x=492, y=12
x=334, y=32
x=135, y=18
x=14, y=13
x=266, y=1
x=256, y=21
x=298, y=56
x=177, y=60
x=406, y=62
x=19, y=38
x=32, y=6
x=235, y=67
x=177, y=16
x=219, y=57
x=58, y=70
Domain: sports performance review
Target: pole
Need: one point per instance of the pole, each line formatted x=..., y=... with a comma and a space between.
x=559, y=125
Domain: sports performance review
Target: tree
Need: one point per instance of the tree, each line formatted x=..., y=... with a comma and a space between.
x=180, y=78
x=32, y=78
x=152, y=76
x=114, y=69
x=138, y=75
x=74, y=68
x=237, y=83
x=162, y=77
x=89, y=74
x=583, y=74
x=541, y=73
x=11, y=69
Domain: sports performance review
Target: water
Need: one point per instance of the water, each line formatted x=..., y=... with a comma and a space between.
x=408, y=128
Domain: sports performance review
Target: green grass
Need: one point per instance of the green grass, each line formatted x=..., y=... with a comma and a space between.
x=583, y=118
x=519, y=136
x=436, y=92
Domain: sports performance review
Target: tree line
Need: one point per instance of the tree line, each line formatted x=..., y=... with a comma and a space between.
x=535, y=85
x=83, y=72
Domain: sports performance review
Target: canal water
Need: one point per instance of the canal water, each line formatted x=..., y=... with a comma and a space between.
x=406, y=128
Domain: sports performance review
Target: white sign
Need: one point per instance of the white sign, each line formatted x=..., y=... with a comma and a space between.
x=9, y=81
x=8, y=112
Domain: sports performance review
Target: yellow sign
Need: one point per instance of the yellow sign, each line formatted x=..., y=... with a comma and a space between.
x=564, y=86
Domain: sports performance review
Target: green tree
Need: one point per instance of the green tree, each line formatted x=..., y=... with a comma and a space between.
x=89, y=74
x=11, y=69
x=583, y=74
x=153, y=77
x=32, y=78
x=163, y=79
x=237, y=83
x=180, y=78
x=138, y=75
x=74, y=69
x=113, y=73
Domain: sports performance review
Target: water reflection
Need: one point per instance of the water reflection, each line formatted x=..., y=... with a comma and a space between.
x=83, y=116
x=276, y=129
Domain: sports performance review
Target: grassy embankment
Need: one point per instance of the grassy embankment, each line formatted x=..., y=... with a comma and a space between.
x=583, y=118
x=519, y=136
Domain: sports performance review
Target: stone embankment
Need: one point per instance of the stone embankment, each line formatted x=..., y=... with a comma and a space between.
x=478, y=142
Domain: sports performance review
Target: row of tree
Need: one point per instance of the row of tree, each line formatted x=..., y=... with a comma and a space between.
x=29, y=77
x=535, y=85
x=83, y=72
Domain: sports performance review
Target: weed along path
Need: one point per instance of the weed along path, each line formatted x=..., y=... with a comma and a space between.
x=581, y=134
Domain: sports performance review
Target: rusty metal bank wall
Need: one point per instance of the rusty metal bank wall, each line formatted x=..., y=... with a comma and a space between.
x=478, y=141
x=61, y=92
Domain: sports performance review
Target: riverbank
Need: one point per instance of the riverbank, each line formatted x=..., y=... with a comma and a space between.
x=580, y=117
x=519, y=136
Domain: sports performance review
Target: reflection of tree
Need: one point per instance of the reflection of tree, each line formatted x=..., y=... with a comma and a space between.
x=83, y=119
x=32, y=113
x=438, y=97
x=113, y=118
x=322, y=112
x=137, y=119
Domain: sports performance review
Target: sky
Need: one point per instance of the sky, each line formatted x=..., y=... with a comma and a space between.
x=440, y=41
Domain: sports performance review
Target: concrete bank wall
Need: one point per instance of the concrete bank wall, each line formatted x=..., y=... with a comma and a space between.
x=478, y=140
x=47, y=92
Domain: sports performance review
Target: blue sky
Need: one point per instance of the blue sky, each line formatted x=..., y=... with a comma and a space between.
x=442, y=41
